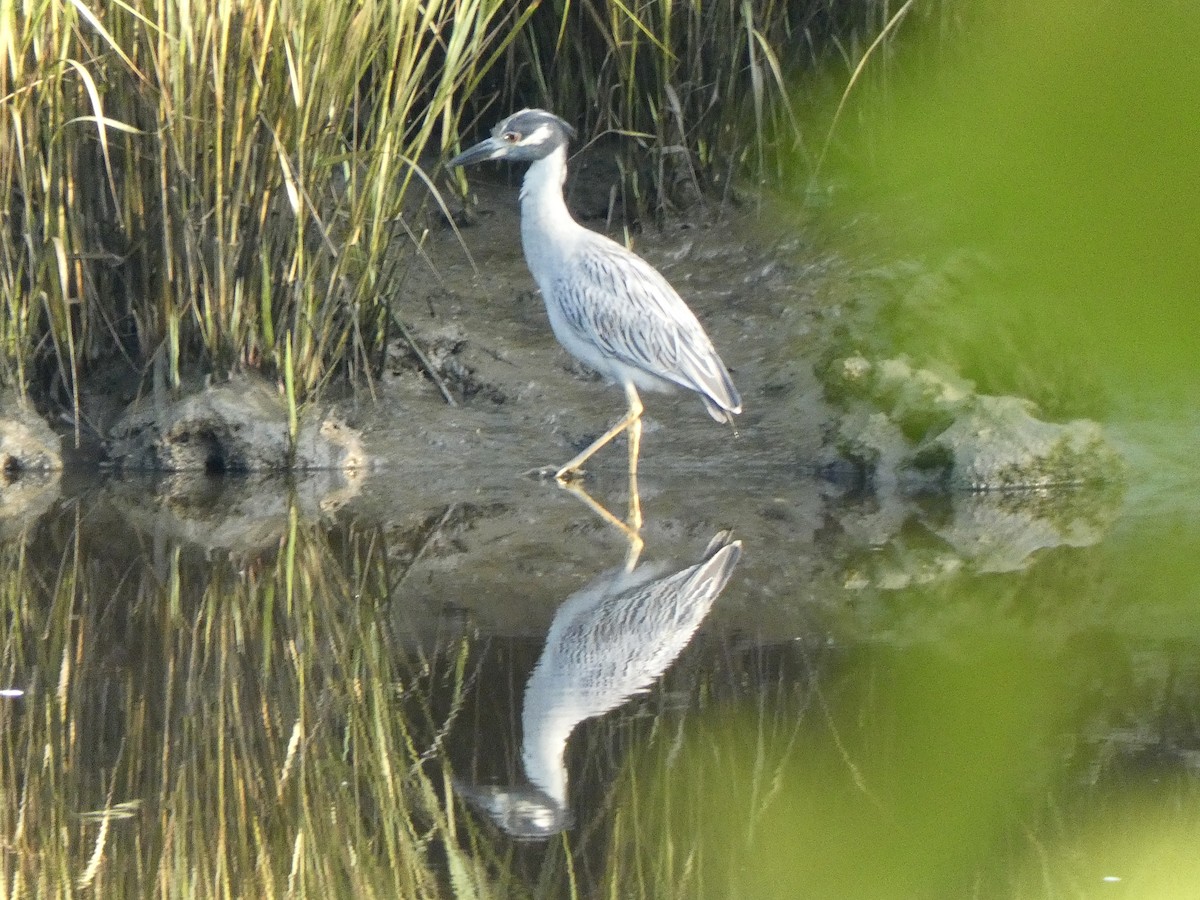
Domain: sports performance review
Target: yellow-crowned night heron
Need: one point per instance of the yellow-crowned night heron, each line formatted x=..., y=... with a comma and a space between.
x=607, y=306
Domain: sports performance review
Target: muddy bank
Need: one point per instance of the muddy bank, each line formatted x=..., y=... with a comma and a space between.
x=477, y=391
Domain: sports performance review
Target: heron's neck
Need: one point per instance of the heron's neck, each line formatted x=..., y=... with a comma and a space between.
x=542, y=207
x=543, y=755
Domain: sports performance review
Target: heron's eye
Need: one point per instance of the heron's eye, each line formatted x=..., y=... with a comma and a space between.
x=510, y=137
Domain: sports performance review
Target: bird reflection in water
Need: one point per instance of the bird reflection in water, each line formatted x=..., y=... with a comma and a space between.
x=608, y=641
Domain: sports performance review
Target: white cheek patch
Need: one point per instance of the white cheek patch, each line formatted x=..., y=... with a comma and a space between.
x=539, y=135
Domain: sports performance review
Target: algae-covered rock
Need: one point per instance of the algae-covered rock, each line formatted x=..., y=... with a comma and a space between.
x=30, y=461
x=27, y=444
x=918, y=401
x=997, y=444
x=238, y=426
x=916, y=428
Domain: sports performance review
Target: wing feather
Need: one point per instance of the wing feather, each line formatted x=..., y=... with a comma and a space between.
x=619, y=303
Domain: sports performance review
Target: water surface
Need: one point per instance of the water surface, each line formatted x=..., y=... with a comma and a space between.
x=247, y=686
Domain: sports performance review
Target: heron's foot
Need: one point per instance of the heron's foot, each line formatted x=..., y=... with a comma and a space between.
x=569, y=475
x=554, y=473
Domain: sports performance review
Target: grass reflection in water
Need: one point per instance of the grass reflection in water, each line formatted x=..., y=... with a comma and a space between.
x=290, y=717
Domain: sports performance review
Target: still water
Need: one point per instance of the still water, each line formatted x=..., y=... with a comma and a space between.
x=253, y=687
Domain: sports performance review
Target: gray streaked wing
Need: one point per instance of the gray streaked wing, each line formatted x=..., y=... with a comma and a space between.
x=619, y=303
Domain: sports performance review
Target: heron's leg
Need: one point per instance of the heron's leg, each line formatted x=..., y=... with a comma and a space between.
x=635, y=501
x=633, y=415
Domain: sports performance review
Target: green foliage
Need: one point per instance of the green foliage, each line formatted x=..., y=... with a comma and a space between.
x=1056, y=143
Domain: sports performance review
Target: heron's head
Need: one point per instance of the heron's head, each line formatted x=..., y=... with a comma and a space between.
x=526, y=136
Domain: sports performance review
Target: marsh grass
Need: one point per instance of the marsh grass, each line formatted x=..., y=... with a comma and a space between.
x=707, y=97
x=222, y=728
x=217, y=185
x=699, y=89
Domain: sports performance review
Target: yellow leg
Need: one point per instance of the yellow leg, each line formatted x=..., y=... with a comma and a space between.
x=633, y=415
x=635, y=502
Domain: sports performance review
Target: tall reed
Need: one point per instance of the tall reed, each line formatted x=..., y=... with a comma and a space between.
x=703, y=84
x=708, y=90
x=216, y=184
